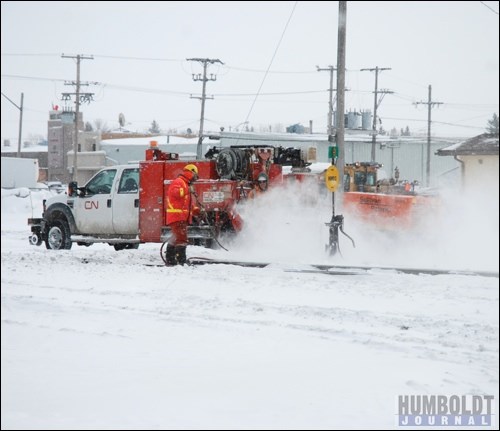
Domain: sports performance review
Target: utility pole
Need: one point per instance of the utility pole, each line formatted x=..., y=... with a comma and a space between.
x=85, y=97
x=21, y=109
x=334, y=175
x=429, y=104
x=331, y=69
x=341, y=44
x=204, y=79
x=376, y=105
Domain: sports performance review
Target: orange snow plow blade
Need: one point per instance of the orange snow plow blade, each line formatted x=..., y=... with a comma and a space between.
x=388, y=211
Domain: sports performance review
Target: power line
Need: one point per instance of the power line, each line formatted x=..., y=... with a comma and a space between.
x=284, y=93
x=272, y=60
x=34, y=78
x=242, y=69
x=30, y=55
x=164, y=91
x=490, y=8
x=116, y=57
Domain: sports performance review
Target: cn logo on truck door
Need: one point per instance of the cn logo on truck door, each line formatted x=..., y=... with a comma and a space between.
x=91, y=205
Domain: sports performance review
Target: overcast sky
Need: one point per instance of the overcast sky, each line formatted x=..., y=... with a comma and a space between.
x=140, y=49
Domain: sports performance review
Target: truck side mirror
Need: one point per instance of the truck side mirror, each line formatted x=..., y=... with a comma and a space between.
x=73, y=189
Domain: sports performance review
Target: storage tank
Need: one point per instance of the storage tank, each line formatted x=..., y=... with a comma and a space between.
x=353, y=120
x=366, y=120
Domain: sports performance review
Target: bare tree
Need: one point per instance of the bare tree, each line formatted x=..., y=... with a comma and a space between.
x=101, y=125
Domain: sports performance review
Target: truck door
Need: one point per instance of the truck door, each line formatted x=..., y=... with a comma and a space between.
x=93, y=211
x=126, y=203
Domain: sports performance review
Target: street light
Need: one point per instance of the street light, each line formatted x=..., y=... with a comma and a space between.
x=20, y=121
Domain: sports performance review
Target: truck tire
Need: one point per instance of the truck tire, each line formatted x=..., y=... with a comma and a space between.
x=58, y=236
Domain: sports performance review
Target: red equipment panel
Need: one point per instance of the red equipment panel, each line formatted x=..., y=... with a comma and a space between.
x=151, y=211
x=220, y=194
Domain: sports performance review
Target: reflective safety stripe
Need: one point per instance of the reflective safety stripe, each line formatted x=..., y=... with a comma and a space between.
x=171, y=209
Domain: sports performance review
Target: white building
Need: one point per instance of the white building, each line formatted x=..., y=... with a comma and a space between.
x=478, y=158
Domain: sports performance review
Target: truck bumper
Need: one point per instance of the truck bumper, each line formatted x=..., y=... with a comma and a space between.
x=37, y=230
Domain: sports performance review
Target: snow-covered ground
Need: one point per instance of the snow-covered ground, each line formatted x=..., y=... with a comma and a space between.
x=92, y=338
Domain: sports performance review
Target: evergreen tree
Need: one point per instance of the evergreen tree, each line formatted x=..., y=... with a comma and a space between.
x=88, y=127
x=155, y=128
x=492, y=126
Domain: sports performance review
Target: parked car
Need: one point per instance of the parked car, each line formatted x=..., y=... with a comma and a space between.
x=56, y=186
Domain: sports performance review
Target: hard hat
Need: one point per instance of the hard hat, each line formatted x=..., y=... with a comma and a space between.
x=192, y=168
x=262, y=177
x=262, y=181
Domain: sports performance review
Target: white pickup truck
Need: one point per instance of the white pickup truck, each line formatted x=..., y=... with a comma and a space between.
x=105, y=210
x=126, y=205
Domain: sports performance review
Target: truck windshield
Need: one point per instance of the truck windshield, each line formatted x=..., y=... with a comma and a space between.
x=101, y=183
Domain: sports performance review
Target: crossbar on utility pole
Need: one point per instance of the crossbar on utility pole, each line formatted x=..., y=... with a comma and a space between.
x=203, y=97
x=429, y=104
x=21, y=110
x=376, y=105
x=77, y=107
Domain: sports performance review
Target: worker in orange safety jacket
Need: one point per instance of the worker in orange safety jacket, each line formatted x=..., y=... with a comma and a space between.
x=179, y=212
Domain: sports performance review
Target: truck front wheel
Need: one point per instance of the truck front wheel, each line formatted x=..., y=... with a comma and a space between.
x=58, y=236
